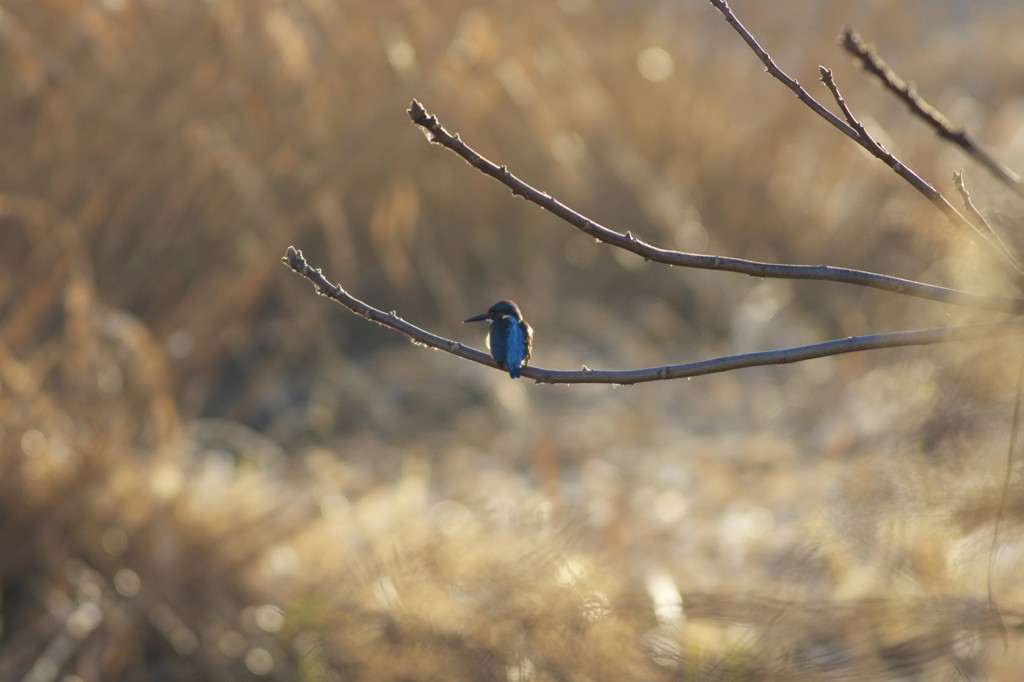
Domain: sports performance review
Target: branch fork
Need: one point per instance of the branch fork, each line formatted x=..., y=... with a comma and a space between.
x=852, y=128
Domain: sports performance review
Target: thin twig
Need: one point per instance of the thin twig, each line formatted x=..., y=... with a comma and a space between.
x=961, y=187
x=946, y=129
x=921, y=337
x=981, y=225
x=772, y=68
x=294, y=259
x=901, y=169
x=862, y=134
x=438, y=134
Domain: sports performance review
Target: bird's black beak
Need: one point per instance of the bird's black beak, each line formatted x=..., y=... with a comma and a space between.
x=477, y=318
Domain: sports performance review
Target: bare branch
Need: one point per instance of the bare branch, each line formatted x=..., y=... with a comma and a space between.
x=946, y=129
x=901, y=169
x=780, y=75
x=921, y=337
x=981, y=224
x=863, y=136
x=961, y=187
x=294, y=259
x=438, y=134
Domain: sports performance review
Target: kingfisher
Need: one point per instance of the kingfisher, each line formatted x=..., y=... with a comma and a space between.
x=510, y=339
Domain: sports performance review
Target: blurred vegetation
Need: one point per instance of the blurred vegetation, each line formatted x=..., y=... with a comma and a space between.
x=207, y=472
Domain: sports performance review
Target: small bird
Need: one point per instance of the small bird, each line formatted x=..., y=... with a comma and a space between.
x=510, y=339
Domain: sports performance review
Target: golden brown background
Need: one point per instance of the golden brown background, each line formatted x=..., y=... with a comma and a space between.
x=210, y=473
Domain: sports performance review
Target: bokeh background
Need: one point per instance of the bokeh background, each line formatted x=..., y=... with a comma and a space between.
x=208, y=472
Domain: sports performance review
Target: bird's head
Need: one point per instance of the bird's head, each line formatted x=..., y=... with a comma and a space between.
x=497, y=311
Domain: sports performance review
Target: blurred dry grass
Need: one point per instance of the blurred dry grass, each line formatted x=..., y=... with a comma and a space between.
x=208, y=473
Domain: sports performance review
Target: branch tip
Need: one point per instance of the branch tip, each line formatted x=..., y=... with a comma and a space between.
x=416, y=111
x=906, y=91
x=633, y=376
x=650, y=253
x=870, y=61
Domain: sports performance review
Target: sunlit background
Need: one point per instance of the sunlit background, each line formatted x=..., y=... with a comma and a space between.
x=209, y=472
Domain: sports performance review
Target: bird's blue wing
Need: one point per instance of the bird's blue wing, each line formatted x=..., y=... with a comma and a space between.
x=514, y=349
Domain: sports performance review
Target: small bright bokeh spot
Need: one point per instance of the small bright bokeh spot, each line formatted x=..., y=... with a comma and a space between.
x=655, y=64
x=114, y=541
x=127, y=582
x=269, y=618
x=570, y=573
x=259, y=661
x=33, y=442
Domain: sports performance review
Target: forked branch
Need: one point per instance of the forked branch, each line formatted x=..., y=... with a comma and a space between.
x=438, y=134
x=294, y=259
x=868, y=57
x=965, y=196
x=980, y=223
x=851, y=127
x=875, y=149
